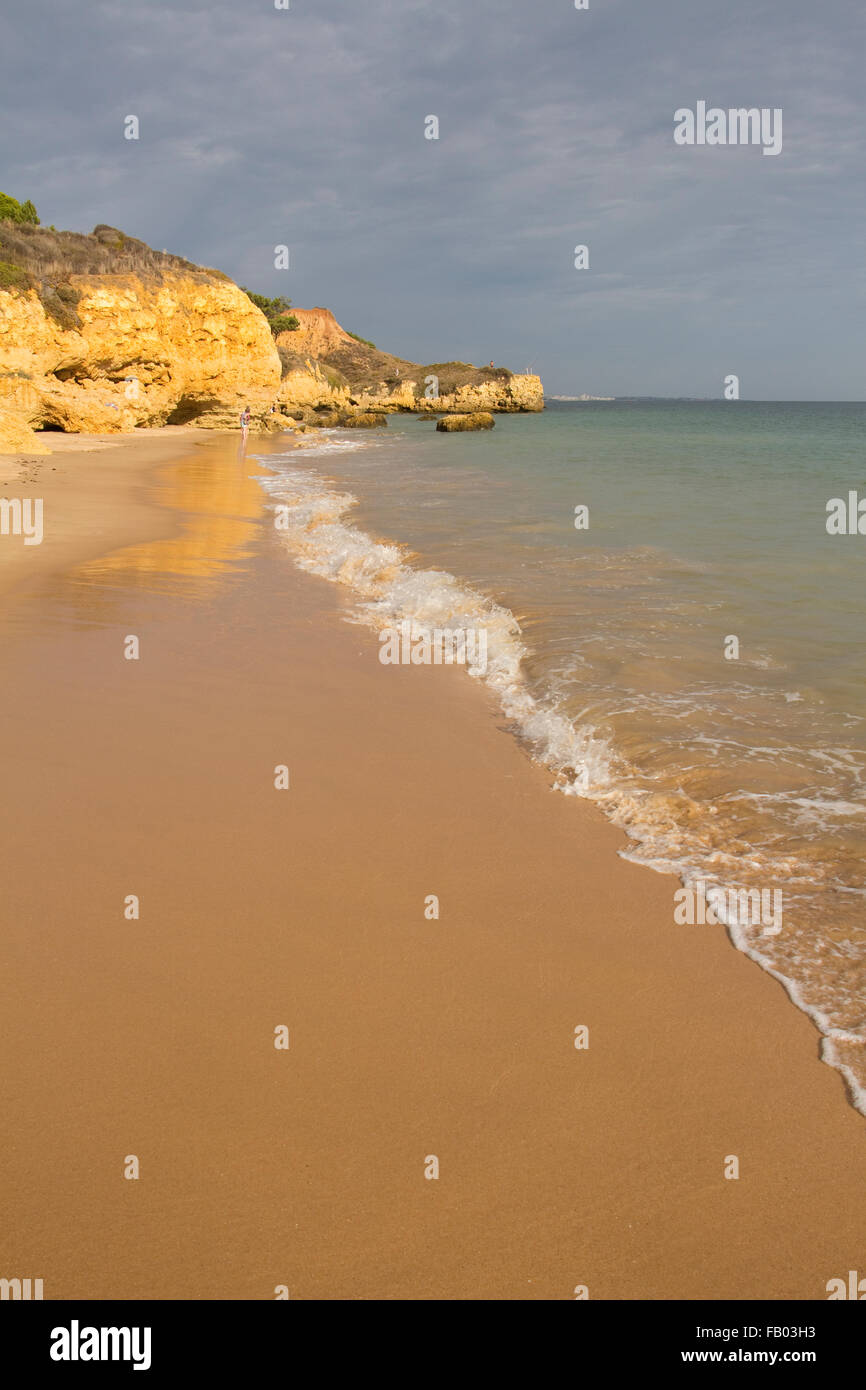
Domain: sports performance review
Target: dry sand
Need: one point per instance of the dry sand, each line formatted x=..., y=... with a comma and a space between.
x=408, y=1037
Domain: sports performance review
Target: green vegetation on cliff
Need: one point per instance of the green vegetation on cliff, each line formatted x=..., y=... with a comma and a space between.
x=13, y=211
x=43, y=259
x=12, y=277
x=48, y=254
x=276, y=311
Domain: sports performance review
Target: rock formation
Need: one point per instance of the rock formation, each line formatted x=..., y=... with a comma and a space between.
x=375, y=380
x=147, y=351
x=478, y=420
x=101, y=334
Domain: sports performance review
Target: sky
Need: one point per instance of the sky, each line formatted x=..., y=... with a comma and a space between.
x=305, y=127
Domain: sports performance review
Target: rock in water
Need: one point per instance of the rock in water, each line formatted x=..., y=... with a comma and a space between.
x=478, y=420
x=366, y=420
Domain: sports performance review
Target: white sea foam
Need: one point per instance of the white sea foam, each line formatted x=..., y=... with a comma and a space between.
x=832, y=1036
x=389, y=589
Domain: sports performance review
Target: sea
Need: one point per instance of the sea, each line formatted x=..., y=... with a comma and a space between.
x=672, y=630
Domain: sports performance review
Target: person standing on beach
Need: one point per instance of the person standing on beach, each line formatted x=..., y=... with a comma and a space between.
x=245, y=418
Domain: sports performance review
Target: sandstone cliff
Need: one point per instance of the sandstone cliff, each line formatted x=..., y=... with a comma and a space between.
x=375, y=380
x=147, y=352
x=100, y=334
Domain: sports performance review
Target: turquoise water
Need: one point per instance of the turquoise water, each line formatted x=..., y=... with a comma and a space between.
x=707, y=523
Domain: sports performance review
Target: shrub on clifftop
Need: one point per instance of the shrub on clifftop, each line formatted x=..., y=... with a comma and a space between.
x=276, y=311
x=13, y=211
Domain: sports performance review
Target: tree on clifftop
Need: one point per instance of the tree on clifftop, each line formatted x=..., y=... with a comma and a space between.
x=13, y=211
x=276, y=311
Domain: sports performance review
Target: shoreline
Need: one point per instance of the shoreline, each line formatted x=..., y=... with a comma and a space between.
x=409, y=1036
x=362, y=565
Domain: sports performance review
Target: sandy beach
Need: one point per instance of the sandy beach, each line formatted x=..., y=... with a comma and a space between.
x=92, y=499
x=559, y=1167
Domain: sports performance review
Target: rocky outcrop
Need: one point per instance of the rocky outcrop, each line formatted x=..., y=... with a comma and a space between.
x=366, y=420
x=168, y=348
x=503, y=395
x=318, y=335
x=378, y=380
x=100, y=334
x=307, y=385
x=478, y=420
x=16, y=436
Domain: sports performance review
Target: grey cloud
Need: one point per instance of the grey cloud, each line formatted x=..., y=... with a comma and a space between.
x=306, y=127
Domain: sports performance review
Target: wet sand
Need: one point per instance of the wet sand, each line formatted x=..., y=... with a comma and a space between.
x=94, y=494
x=409, y=1037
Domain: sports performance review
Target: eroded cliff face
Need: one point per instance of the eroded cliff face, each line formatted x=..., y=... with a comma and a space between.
x=517, y=393
x=376, y=380
x=171, y=348
x=318, y=334
x=184, y=346
x=16, y=436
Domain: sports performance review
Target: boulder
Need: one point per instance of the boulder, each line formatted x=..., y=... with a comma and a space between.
x=16, y=436
x=366, y=420
x=478, y=420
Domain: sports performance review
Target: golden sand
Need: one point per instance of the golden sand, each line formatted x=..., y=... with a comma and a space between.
x=410, y=1037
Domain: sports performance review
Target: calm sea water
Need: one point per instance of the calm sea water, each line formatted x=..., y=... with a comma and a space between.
x=707, y=521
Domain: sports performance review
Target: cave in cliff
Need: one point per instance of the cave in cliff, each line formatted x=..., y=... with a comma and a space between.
x=187, y=410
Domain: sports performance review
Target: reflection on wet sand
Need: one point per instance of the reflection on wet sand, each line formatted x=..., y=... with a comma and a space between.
x=216, y=490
